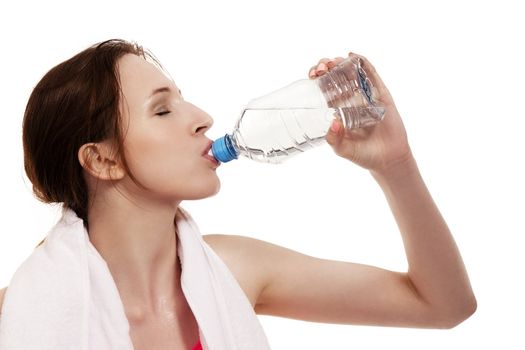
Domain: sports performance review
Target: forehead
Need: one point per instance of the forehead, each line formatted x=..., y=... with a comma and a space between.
x=138, y=77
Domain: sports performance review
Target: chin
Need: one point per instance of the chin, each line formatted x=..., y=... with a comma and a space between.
x=209, y=190
x=214, y=192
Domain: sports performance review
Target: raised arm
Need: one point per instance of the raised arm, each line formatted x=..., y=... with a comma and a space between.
x=434, y=292
x=436, y=270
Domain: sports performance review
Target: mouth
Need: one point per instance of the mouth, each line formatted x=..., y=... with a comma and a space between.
x=207, y=148
x=208, y=154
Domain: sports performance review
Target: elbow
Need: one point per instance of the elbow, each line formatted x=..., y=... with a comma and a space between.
x=458, y=315
x=466, y=311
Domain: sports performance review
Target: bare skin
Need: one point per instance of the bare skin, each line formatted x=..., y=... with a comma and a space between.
x=133, y=227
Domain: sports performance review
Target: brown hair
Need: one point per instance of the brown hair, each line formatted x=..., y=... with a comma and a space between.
x=76, y=102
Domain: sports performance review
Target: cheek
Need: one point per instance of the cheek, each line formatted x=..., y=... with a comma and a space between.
x=165, y=161
x=157, y=159
x=165, y=166
x=142, y=143
x=177, y=175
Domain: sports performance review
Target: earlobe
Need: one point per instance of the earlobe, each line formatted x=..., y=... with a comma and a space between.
x=98, y=160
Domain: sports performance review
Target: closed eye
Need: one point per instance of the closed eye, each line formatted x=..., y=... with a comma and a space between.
x=160, y=114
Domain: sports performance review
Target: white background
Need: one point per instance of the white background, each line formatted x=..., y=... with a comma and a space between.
x=455, y=70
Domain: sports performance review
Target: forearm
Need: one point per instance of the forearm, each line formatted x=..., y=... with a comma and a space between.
x=436, y=269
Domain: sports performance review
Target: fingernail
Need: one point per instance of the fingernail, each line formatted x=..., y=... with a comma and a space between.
x=335, y=127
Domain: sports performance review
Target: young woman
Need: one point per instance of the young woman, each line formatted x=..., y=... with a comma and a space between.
x=109, y=134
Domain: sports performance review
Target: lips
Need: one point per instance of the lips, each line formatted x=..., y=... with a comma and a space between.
x=208, y=155
x=208, y=147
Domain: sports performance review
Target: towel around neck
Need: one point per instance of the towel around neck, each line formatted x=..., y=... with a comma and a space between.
x=64, y=297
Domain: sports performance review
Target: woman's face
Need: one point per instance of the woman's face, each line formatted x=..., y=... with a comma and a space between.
x=164, y=139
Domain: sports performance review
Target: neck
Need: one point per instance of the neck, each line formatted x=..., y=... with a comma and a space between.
x=139, y=244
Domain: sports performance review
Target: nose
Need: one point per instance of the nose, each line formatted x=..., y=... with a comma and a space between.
x=204, y=123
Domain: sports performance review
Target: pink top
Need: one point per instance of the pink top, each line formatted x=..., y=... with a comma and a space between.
x=197, y=346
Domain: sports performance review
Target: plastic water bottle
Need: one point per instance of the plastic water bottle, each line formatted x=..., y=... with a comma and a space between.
x=296, y=118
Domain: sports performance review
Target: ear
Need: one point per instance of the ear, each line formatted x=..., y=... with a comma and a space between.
x=99, y=160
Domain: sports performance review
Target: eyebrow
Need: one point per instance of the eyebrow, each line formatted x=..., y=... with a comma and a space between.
x=161, y=90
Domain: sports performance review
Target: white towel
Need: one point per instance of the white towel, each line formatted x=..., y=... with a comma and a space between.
x=63, y=296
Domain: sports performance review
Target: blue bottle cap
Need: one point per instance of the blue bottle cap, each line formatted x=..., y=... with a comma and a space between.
x=223, y=149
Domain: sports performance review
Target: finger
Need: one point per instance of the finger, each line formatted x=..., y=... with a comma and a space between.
x=321, y=65
x=338, y=60
x=333, y=137
x=322, y=68
x=311, y=73
x=334, y=62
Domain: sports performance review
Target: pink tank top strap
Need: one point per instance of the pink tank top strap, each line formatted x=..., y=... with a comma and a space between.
x=197, y=346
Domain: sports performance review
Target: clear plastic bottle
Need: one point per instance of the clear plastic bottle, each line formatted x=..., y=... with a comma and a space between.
x=297, y=117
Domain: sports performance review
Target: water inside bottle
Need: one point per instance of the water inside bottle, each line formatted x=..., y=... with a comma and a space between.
x=272, y=135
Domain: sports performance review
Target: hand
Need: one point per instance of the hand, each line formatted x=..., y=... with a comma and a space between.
x=379, y=147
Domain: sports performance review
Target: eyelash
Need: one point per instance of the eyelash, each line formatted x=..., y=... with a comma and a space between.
x=160, y=114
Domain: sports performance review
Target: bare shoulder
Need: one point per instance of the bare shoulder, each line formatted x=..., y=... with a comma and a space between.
x=2, y=293
x=233, y=251
x=250, y=260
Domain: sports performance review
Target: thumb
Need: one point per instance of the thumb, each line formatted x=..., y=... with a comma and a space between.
x=334, y=135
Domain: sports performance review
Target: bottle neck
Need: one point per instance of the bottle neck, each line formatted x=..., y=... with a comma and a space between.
x=224, y=150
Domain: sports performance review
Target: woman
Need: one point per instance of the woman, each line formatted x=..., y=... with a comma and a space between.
x=108, y=134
